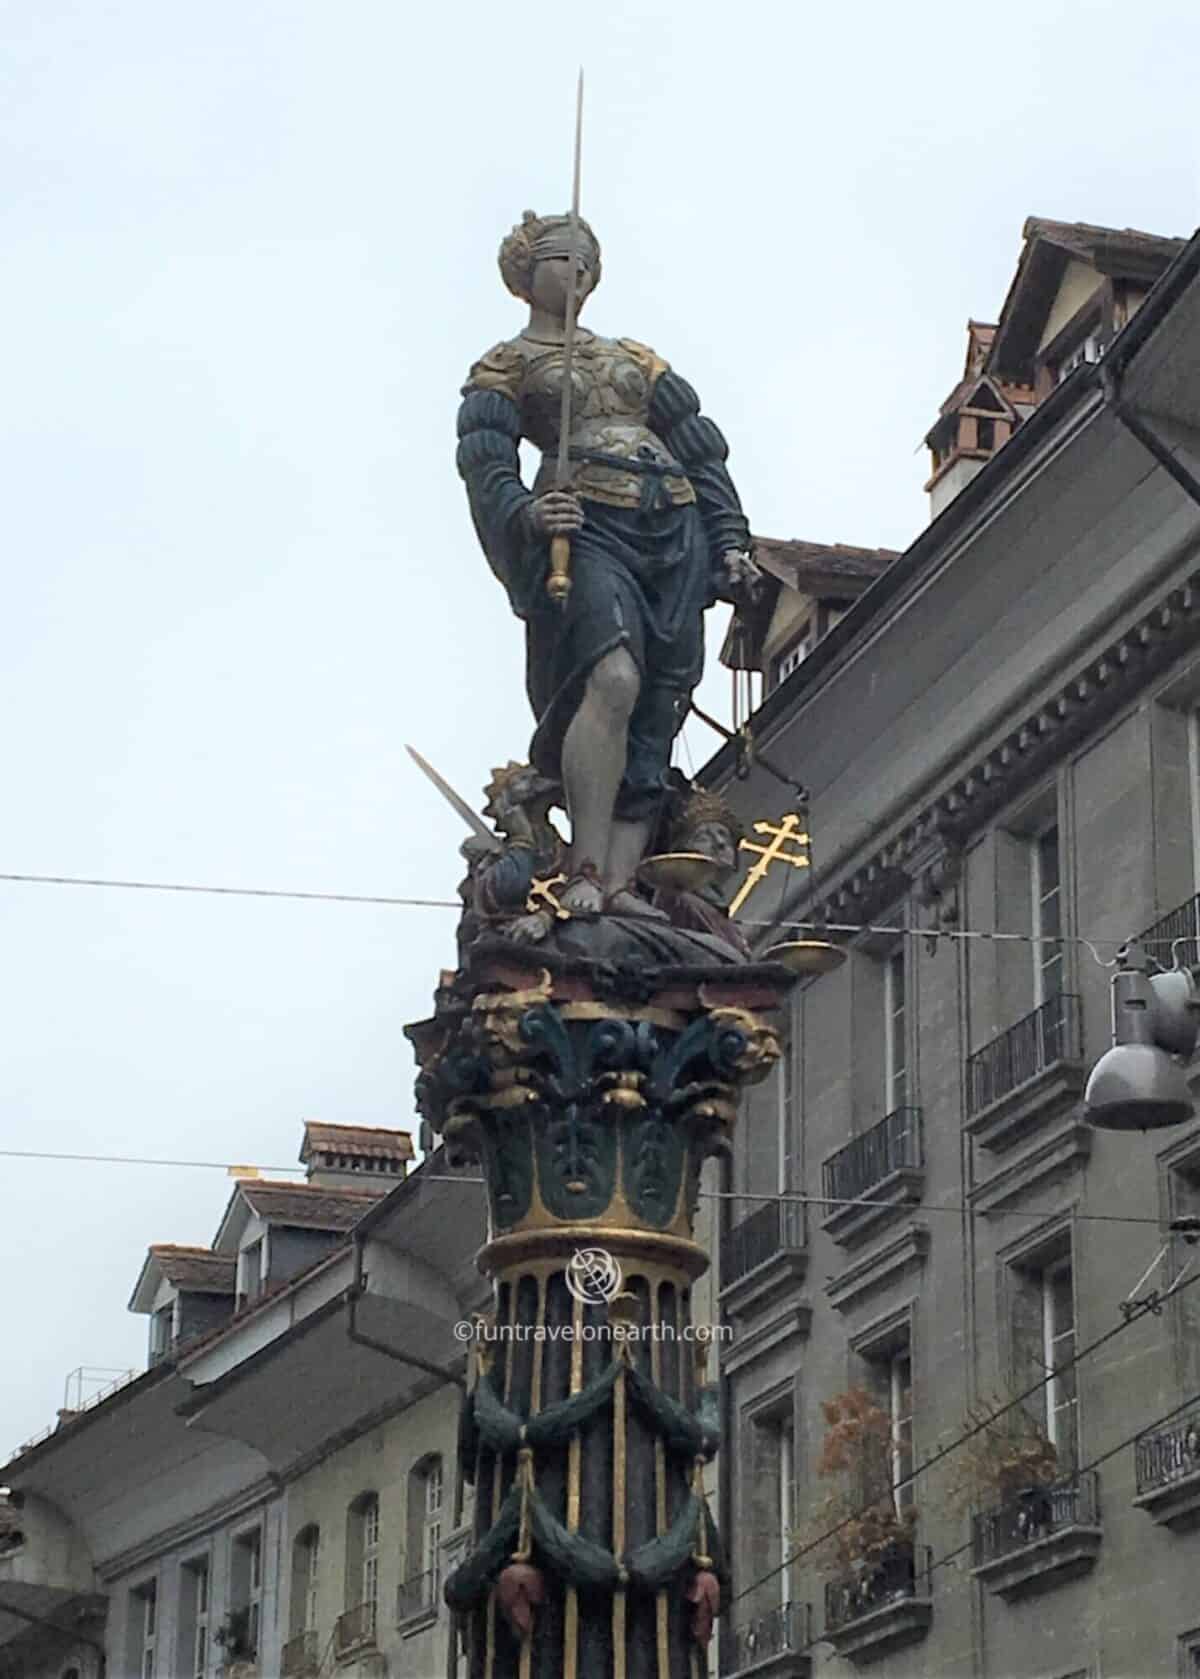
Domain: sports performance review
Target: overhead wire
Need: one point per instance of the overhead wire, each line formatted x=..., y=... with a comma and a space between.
x=1152, y=1306
x=960, y=1550
x=233, y=1168
x=232, y=891
x=1086, y=1468
x=142, y=1160
x=456, y=904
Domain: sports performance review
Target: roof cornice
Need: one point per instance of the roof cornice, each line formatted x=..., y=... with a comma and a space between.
x=920, y=854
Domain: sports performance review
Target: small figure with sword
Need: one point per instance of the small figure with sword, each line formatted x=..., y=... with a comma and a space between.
x=632, y=528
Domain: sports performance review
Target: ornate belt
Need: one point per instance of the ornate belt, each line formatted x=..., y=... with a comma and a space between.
x=655, y=497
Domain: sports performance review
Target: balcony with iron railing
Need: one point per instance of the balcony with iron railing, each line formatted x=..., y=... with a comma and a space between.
x=881, y=1606
x=418, y=1597
x=1174, y=939
x=1167, y=1462
x=301, y=1657
x=1039, y=1538
x=762, y=1254
x=883, y=1167
x=775, y=1643
x=1027, y=1074
x=355, y=1630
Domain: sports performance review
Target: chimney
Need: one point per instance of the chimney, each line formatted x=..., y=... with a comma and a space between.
x=354, y=1156
x=977, y=419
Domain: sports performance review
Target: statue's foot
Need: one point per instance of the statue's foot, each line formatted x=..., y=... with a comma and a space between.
x=624, y=901
x=584, y=893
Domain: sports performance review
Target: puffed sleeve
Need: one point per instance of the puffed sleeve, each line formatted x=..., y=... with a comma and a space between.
x=489, y=431
x=698, y=445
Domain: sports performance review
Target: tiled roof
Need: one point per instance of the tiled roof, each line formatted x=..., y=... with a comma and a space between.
x=195, y=1268
x=800, y=559
x=374, y=1141
x=311, y=1206
x=1089, y=241
x=823, y=569
x=1124, y=252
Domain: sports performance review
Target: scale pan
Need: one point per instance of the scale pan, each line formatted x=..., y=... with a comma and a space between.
x=678, y=871
x=807, y=956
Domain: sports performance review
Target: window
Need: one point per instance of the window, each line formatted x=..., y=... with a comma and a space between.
x=787, y=1481
x=776, y=1456
x=985, y=434
x=895, y=1034
x=246, y=1587
x=1182, y=1185
x=362, y=1563
x=370, y=1565
x=143, y=1628
x=252, y=1271
x=789, y=1165
x=1043, y=1335
x=432, y=1539
x=886, y=1351
x=1046, y=881
x=192, y=1660
x=794, y=654
x=426, y=1505
x=900, y=1410
x=1087, y=350
x=306, y=1562
x=311, y=1577
x=162, y=1332
x=765, y=1493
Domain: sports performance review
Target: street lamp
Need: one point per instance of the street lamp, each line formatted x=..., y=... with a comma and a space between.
x=1139, y=1084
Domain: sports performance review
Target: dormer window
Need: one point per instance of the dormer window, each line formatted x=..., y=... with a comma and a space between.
x=1088, y=349
x=162, y=1332
x=793, y=655
x=251, y=1282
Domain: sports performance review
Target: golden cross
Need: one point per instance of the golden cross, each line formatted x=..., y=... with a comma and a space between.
x=542, y=896
x=787, y=832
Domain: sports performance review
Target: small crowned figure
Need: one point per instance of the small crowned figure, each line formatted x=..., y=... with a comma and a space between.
x=657, y=535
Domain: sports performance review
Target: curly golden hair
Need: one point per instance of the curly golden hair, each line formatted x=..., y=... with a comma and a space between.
x=514, y=783
x=518, y=251
x=697, y=807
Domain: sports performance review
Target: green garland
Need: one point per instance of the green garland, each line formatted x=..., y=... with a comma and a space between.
x=577, y=1560
x=686, y=1433
x=504, y=1431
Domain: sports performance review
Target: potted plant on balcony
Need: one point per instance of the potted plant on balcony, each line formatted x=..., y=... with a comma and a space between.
x=873, y=1545
x=1008, y=1460
x=234, y=1639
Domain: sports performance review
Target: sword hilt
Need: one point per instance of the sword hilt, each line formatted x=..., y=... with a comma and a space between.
x=558, y=583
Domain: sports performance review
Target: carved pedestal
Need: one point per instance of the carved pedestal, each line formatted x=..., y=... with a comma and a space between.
x=592, y=1100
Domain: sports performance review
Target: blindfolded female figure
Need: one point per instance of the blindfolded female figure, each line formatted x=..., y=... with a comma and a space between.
x=657, y=534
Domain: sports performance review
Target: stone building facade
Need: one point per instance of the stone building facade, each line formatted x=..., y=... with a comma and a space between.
x=999, y=737
x=276, y=1494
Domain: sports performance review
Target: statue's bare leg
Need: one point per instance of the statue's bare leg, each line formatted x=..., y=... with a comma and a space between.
x=654, y=724
x=626, y=848
x=593, y=761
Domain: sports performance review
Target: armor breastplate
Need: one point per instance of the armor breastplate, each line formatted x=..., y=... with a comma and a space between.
x=610, y=405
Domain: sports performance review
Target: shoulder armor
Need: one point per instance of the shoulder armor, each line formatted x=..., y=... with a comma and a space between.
x=500, y=369
x=650, y=363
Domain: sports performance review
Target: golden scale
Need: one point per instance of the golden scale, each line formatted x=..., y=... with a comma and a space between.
x=787, y=842
x=691, y=871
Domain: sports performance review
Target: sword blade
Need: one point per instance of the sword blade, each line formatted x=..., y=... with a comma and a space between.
x=563, y=467
x=476, y=823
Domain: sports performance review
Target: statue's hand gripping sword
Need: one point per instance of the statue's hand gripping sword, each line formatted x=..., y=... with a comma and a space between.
x=558, y=583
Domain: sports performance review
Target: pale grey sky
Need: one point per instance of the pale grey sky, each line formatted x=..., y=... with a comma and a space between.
x=249, y=253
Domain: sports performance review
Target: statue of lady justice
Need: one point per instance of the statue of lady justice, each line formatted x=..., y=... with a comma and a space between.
x=656, y=532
